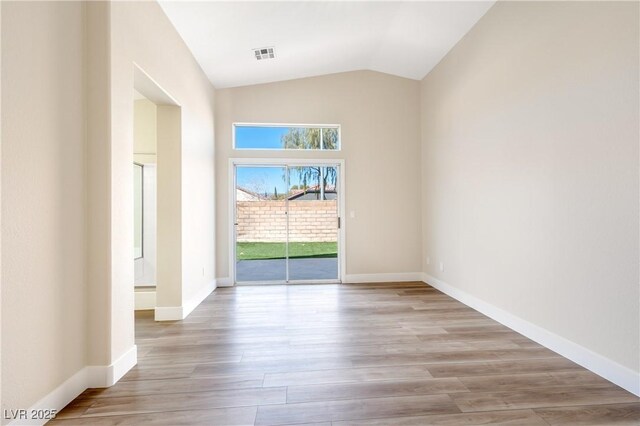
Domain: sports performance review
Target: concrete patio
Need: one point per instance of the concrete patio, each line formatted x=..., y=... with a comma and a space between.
x=275, y=269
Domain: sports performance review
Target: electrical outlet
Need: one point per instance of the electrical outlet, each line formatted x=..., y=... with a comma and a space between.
x=441, y=267
x=203, y=271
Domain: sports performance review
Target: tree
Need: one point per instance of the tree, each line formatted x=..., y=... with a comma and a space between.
x=313, y=139
x=257, y=184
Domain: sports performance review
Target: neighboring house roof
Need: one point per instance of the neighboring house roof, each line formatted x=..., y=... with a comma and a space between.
x=243, y=194
x=311, y=193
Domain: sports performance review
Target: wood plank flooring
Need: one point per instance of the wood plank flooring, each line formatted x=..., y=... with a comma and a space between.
x=378, y=354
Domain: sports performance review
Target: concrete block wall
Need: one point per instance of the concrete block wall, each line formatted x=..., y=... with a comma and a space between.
x=266, y=221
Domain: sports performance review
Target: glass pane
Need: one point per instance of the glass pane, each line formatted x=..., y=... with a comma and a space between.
x=261, y=230
x=137, y=211
x=313, y=223
x=330, y=138
x=284, y=137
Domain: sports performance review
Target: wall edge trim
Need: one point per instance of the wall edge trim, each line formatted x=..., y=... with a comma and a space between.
x=103, y=376
x=178, y=313
x=592, y=361
x=93, y=376
x=382, y=278
x=168, y=313
x=145, y=300
x=198, y=298
x=224, y=282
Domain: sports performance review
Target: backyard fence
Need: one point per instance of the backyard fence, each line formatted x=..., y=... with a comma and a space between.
x=266, y=221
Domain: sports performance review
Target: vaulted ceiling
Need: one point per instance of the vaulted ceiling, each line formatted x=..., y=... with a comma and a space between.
x=406, y=39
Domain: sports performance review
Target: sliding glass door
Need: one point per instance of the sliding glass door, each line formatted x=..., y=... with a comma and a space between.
x=261, y=224
x=286, y=223
x=313, y=223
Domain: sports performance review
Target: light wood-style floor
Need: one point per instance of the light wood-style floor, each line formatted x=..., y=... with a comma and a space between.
x=386, y=354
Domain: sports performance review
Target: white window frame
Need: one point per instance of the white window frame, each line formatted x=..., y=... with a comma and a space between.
x=312, y=126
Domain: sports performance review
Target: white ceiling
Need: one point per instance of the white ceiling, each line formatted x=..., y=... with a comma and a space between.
x=314, y=38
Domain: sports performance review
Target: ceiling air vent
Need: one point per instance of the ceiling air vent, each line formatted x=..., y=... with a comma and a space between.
x=264, y=53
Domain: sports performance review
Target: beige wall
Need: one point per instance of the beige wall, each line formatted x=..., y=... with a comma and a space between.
x=98, y=185
x=67, y=139
x=43, y=313
x=530, y=169
x=145, y=131
x=169, y=248
x=379, y=115
x=141, y=34
x=1, y=405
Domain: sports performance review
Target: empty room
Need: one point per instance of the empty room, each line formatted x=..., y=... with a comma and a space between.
x=320, y=212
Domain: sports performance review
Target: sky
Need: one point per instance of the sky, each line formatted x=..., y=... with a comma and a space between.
x=263, y=179
x=259, y=137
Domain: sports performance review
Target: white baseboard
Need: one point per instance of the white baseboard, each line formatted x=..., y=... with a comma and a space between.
x=383, y=278
x=145, y=300
x=100, y=376
x=120, y=367
x=56, y=399
x=177, y=313
x=602, y=366
x=169, y=313
x=197, y=298
x=355, y=278
x=224, y=282
x=95, y=376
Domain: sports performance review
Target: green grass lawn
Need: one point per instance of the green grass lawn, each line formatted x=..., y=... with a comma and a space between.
x=251, y=251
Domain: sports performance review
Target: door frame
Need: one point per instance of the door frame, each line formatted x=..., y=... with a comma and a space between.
x=287, y=162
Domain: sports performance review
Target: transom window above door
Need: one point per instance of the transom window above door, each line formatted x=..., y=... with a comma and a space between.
x=321, y=137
